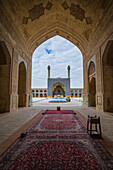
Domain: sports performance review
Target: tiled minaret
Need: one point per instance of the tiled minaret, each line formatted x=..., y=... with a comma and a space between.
x=49, y=71
x=68, y=71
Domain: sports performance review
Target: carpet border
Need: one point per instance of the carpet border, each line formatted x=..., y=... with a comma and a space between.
x=12, y=138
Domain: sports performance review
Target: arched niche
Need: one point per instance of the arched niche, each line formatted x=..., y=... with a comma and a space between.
x=45, y=95
x=108, y=77
x=58, y=89
x=92, y=84
x=72, y=95
x=22, y=85
x=5, y=63
x=41, y=95
x=92, y=92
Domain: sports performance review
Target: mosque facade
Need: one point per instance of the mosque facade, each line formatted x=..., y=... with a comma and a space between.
x=57, y=87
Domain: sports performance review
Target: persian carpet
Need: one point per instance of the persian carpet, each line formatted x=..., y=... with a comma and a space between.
x=56, y=141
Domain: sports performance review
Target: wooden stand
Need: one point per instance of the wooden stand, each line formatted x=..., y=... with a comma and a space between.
x=94, y=131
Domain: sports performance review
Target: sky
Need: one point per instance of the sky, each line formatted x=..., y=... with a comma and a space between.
x=57, y=52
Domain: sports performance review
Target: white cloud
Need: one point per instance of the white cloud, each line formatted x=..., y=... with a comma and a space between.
x=61, y=54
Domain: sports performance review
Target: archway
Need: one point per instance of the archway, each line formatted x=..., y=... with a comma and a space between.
x=22, y=85
x=72, y=95
x=75, y=94
x=5, y=62
x=108, y=77
x=36, y=94
x=45, y=55
x=58, y=91
x=45, y=95
x=92, y=92
x=41, y=95
x=80, y=95
x=92, y=84
x=57, y=29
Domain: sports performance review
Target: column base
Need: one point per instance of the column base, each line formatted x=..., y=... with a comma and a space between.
x=99, y=102
x=14, y=102
x=86, y=99
x=29, y=100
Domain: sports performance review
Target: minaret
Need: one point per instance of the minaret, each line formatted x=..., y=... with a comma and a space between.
x=48, y=71
x=68, y=71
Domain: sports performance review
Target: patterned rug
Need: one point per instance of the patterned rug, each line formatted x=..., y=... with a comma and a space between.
x=59, y=112
x=58, y=142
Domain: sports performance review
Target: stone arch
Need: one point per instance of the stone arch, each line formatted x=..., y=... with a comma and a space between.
x=92, y=84
x=5, y=63
x=60, y=29
x=91, y=69
x=58, y=89
x=108, y=77
x=41, y=95
x=75, y=94
x=72, y=94
x=50, y=32
x=22, y=85
x=45, y=95
x=92, y=92
x=37, y=95
x=80, y=95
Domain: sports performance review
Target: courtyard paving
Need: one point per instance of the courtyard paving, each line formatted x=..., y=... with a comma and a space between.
x=11, y=122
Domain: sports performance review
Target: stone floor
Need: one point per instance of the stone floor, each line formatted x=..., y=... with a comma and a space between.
x=11, y=122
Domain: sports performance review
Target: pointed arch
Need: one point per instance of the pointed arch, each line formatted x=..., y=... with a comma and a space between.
x=5, y=63
x=22, y=85
x=92, y=92
x=92, y=84
x=108, y=77
x=58, y=89
x=91, y=69
x=57, y=29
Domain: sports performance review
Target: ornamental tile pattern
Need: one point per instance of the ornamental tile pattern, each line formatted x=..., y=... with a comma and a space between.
x=64, y=81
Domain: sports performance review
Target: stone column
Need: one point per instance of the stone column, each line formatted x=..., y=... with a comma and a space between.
x=14, y=81
x=35, y=93
x=39, y=93
x=42, y=93
x=28, y=90
x=85, y=79
x=99, y=84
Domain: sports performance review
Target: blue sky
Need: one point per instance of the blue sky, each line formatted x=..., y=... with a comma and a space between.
x=58, y=53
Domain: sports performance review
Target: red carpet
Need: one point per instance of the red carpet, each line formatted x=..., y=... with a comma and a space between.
x=59, y=112
x=59, y=142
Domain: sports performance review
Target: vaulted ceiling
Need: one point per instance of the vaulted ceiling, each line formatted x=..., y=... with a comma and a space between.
x=38, y=20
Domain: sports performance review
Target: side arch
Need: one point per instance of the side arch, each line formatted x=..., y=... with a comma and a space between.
x=107, y=61
x=22, y=85
x=5, y=64
x=92, y=84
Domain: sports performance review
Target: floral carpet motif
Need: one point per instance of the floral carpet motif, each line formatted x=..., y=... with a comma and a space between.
x=56, y=151
x=55, y=154
x=58, y=123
